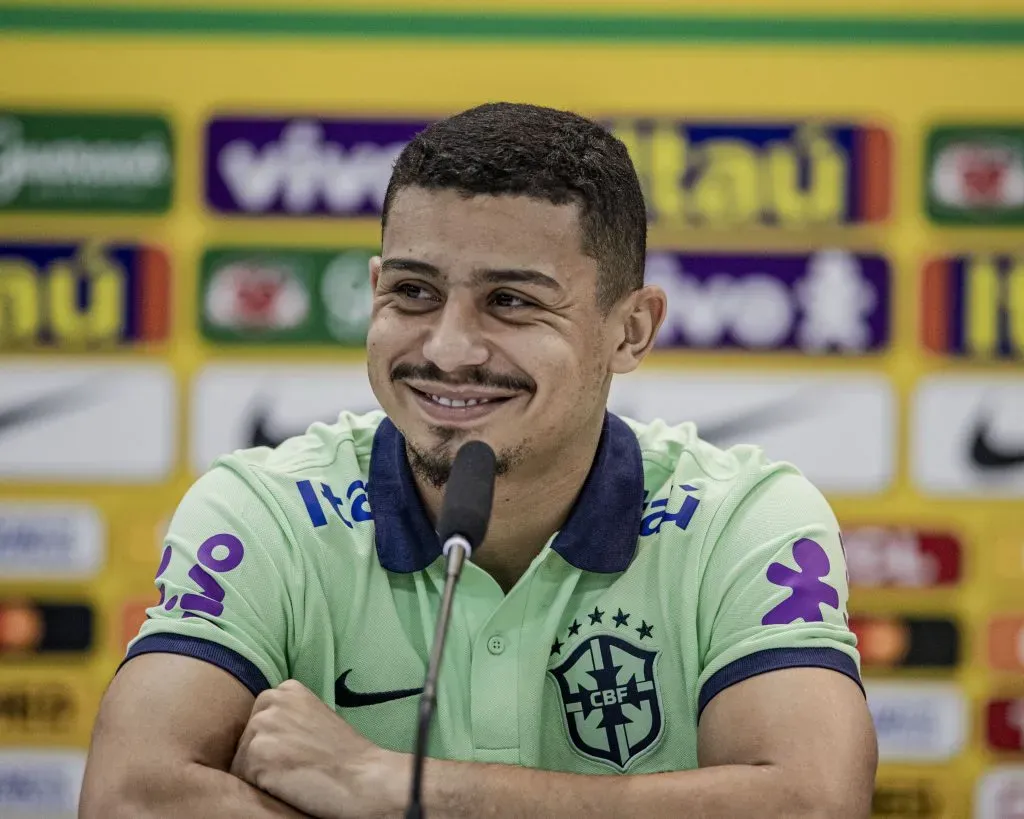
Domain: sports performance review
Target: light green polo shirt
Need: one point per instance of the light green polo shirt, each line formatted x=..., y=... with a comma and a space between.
x=682, y=569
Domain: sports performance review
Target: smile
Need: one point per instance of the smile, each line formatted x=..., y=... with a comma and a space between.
x=457, y=405
x=458, y=402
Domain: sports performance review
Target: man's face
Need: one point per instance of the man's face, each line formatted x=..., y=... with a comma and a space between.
x=486, y=326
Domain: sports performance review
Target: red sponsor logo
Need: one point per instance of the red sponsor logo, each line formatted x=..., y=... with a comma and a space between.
x=1004, y=724
x=881, y=556
x=985, y=171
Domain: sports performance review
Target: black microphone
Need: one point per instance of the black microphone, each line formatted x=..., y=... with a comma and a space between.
x=465, y=513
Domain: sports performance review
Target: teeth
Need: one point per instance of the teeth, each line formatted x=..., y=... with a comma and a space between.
x=456, y=402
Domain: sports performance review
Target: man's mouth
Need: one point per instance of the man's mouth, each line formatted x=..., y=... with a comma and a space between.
x=452, y=403
x=458, y=402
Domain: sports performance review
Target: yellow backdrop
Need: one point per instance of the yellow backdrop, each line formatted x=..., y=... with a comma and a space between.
x=903, y=86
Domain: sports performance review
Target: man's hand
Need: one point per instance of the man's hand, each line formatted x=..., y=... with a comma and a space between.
x=298, y=750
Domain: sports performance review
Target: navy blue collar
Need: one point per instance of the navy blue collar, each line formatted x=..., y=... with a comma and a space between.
x=599, y=536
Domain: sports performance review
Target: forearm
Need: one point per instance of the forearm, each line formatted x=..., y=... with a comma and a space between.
x=456, y=790
x=191, y=790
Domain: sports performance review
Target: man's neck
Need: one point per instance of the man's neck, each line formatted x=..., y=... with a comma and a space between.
x=529, y=507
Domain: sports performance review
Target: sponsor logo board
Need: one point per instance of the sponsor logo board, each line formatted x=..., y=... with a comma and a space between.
x=133, y=615
x=900, y=556
x=906, y=799
x=35, y=627
x=52, y=541
x=968, y=435
x=917, y=722
x=93, y=162
x=999, y=793
x=840, y=431
x=1006, y=643
x=973, y=306
x=82, y=296
x=303, y=165
x=831, y=301
x=49, y=708
x=240, y=406
x=1004, y=724
x=694, y=174
x=906, y=642
x=37, y=783
x=720, y=174
x=975, y=175
x=87, y=422
x=277, y=296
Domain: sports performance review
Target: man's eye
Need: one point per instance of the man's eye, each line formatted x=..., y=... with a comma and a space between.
x=509, y=300
x=414, y=292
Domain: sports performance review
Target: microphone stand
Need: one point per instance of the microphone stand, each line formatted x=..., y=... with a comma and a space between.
x=456, y=551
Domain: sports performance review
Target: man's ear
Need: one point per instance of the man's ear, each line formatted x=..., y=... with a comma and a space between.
x=374, y=272
x=641, y=315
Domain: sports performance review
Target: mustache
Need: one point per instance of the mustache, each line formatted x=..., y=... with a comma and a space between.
x=475, y=376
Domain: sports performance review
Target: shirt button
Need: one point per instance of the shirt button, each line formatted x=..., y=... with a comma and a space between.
x=495, y=645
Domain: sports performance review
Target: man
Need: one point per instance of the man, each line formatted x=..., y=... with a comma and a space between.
x=644, y=603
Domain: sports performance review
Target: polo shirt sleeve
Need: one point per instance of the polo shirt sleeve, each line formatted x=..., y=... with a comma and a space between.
x=774, y=588
x=223, y=581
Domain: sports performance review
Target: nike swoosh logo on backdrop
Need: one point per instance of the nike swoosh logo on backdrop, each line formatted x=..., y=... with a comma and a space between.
x=36, y=409
x=259, y=433
x=768, y=416
x=345, y=697
x=987, y=456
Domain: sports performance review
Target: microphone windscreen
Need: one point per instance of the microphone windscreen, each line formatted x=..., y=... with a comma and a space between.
x=466, y=509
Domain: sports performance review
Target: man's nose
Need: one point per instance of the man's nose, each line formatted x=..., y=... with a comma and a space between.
x=456, y=339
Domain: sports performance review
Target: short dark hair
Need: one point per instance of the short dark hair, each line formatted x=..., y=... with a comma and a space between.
x=557, y=156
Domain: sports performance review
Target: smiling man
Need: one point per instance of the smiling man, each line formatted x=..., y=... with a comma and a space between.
x=653, y=627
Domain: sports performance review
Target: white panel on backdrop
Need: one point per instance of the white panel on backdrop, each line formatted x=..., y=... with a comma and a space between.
x=239, y=406
x=999, y=793
x=968, y=435
x=840, y=431
x=87, y=422
x=40, y=783
x=917, y=722
x=55, y=541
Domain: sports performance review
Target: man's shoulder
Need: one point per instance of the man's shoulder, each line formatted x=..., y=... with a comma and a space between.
x=714, y=485
x=314, y=484
x=343, y=446
x=675, y=453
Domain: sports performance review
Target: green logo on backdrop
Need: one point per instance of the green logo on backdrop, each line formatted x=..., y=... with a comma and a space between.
x=285, y=296
x=974, y=175
x=85, y=162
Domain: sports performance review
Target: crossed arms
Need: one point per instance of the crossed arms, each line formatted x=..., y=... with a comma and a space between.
x=178, y=736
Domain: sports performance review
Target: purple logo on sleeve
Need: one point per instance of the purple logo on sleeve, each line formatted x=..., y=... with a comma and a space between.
x=302, y=166
x=809, y=591
x=218, y=554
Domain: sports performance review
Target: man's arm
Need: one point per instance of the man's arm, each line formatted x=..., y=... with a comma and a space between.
x=163, y=741
x=793, y=743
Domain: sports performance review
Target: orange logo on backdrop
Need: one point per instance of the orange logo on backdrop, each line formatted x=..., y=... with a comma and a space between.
x=133, y=615
x=1006, y=643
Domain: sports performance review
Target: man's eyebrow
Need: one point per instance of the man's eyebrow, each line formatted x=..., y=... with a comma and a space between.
x=409, y=266
x=517, y=276
x=512, y=275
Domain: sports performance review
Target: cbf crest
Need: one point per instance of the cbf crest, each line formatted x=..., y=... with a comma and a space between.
x=610, y=699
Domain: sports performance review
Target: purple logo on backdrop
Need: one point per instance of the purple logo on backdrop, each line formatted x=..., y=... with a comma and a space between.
x=831, y=301
x=302, y=166
x=809, y=590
